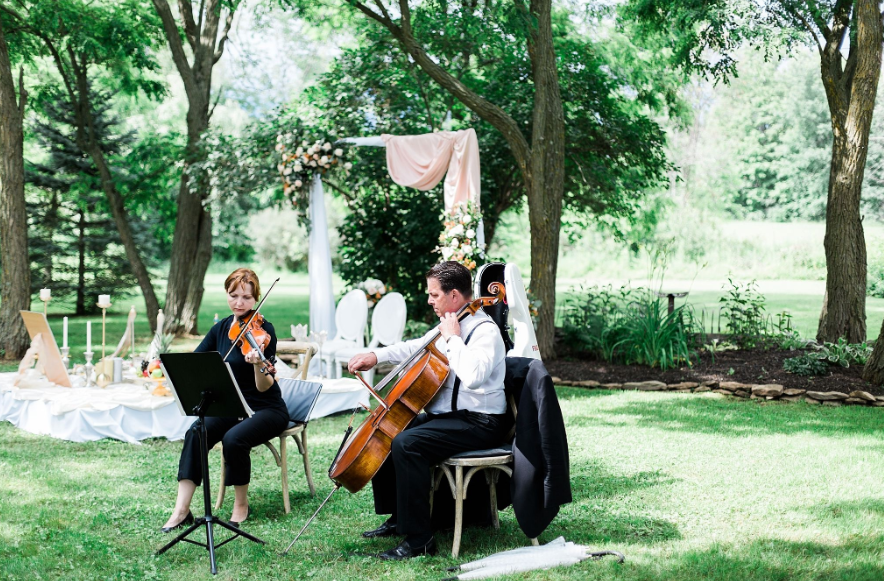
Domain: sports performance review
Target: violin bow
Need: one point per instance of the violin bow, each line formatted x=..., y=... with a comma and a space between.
x=245, y=326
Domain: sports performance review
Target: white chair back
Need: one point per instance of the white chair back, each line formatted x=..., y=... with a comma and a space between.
x=524, y=339
x=388, y=320
x=351, y=316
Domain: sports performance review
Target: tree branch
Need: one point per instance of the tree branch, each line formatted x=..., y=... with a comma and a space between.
x=22, y=93
x=808, y=27
x=488, y=111
x=178, y=55
x=220, y=50
x=190, y=29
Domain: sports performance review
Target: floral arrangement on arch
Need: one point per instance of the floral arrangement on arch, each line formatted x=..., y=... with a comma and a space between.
x=374, y=289
x=458, y=239
x=300, y=162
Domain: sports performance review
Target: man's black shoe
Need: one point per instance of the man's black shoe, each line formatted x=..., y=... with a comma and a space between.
x=405, y=551
x=387, y=529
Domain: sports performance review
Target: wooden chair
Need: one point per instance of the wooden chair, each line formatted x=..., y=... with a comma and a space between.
x=300, y=397
x=491, y=462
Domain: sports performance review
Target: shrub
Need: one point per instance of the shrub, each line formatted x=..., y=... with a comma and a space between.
x=743, y=306
x=631, y=326
x=843, y=353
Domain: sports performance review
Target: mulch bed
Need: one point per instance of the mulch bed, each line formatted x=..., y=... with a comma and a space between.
x=750, y=366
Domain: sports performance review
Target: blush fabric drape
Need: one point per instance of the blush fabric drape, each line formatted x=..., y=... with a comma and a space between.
x=421, y=161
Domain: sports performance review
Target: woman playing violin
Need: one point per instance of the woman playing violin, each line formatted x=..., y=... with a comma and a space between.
x=261, y=392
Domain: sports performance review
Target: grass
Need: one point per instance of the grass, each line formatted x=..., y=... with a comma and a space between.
x=688, y=487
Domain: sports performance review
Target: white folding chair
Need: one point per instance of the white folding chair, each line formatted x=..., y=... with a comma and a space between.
x=387, y=327
x=351, y=315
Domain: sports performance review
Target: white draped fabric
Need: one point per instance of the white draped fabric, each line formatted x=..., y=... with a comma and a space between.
x=319, y=267
x=421, y=161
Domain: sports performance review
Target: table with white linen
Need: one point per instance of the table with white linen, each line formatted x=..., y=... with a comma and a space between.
x=126, y=411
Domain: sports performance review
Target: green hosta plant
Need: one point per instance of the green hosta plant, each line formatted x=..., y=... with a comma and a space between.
x=809, y=364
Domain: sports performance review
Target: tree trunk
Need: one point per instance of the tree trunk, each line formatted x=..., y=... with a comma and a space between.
x=851, y=87
x=81, y=264
x=15, y=280
x=844, y=308
x=547, y=178
x=192, y=242
x=87, y=141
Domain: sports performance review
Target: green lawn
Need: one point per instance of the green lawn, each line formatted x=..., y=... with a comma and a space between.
x=688, y=487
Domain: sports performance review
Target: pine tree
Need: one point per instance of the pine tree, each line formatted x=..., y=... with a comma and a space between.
x=75, y=246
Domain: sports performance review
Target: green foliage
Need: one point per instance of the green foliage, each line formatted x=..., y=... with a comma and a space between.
x=631, y=326
x=808, y=364
x=743, y=306
x=390, y=235
x=415, y=329
x=844, y=354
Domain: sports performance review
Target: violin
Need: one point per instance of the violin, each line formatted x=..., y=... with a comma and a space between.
x=250, y=334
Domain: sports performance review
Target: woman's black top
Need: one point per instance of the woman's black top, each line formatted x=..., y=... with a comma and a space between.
x=217, y=340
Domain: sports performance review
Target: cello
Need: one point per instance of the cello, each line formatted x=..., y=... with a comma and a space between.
x=410, y=387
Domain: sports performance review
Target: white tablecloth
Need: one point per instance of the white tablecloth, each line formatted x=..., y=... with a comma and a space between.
x=126, y=411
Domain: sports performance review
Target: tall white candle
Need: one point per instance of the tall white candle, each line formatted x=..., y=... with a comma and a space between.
x=103, y=300
x=88, y=336
x=45, y=294
x=64, y=332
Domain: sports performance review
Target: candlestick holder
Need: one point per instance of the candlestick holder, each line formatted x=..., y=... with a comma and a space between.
x=45, y=305
x=64, y=357
x=103, y=378
x=88, y=367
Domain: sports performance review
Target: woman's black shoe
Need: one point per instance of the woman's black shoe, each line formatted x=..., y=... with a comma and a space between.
x=188, y=520
x=236, y=524
x=387, y=529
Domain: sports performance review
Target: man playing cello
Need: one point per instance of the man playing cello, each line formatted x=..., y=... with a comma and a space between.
x=468, y=412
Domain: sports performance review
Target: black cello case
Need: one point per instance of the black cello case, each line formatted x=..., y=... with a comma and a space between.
x=499, y=313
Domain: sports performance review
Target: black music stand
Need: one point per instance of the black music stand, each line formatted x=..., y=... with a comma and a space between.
x=203, y=383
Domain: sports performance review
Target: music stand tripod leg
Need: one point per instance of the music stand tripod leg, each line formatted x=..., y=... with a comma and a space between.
x=209, y=519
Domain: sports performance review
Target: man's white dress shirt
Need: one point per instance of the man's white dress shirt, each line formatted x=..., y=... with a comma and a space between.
x=480, y=366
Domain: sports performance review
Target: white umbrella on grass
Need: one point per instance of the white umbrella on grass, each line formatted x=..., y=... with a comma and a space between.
x=553, y=554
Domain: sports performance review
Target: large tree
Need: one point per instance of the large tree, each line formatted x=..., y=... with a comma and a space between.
x=505, y=62
x=847, y=34
x=192, y=242
x=99, y=42
x=15, y=286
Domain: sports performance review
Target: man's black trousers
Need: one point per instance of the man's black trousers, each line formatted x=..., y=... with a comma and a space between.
x=402, y=486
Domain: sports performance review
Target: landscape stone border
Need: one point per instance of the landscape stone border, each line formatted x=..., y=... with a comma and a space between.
x=763, y=391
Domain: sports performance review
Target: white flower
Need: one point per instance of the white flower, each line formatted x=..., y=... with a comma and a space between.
x=447, y=252
x=339, y=152
x=280, y=167
x=298, y=166
x=304, y=143
x=327, y=146
x=348, y=165
x=299, y=152
x=287, y=171
x=467, y=219
x=456, y=231
x=312, y=164
x=471, y=233
x=298, y=183
x=279, y=147
x=315, y=156
x=279, y=138
x=323, y=160
x=466, y=248
x=454, y=243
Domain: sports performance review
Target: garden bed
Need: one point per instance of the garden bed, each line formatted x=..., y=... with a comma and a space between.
x=748, y=366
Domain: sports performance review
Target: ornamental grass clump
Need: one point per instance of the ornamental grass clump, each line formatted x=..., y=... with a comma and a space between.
x=632, y=326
